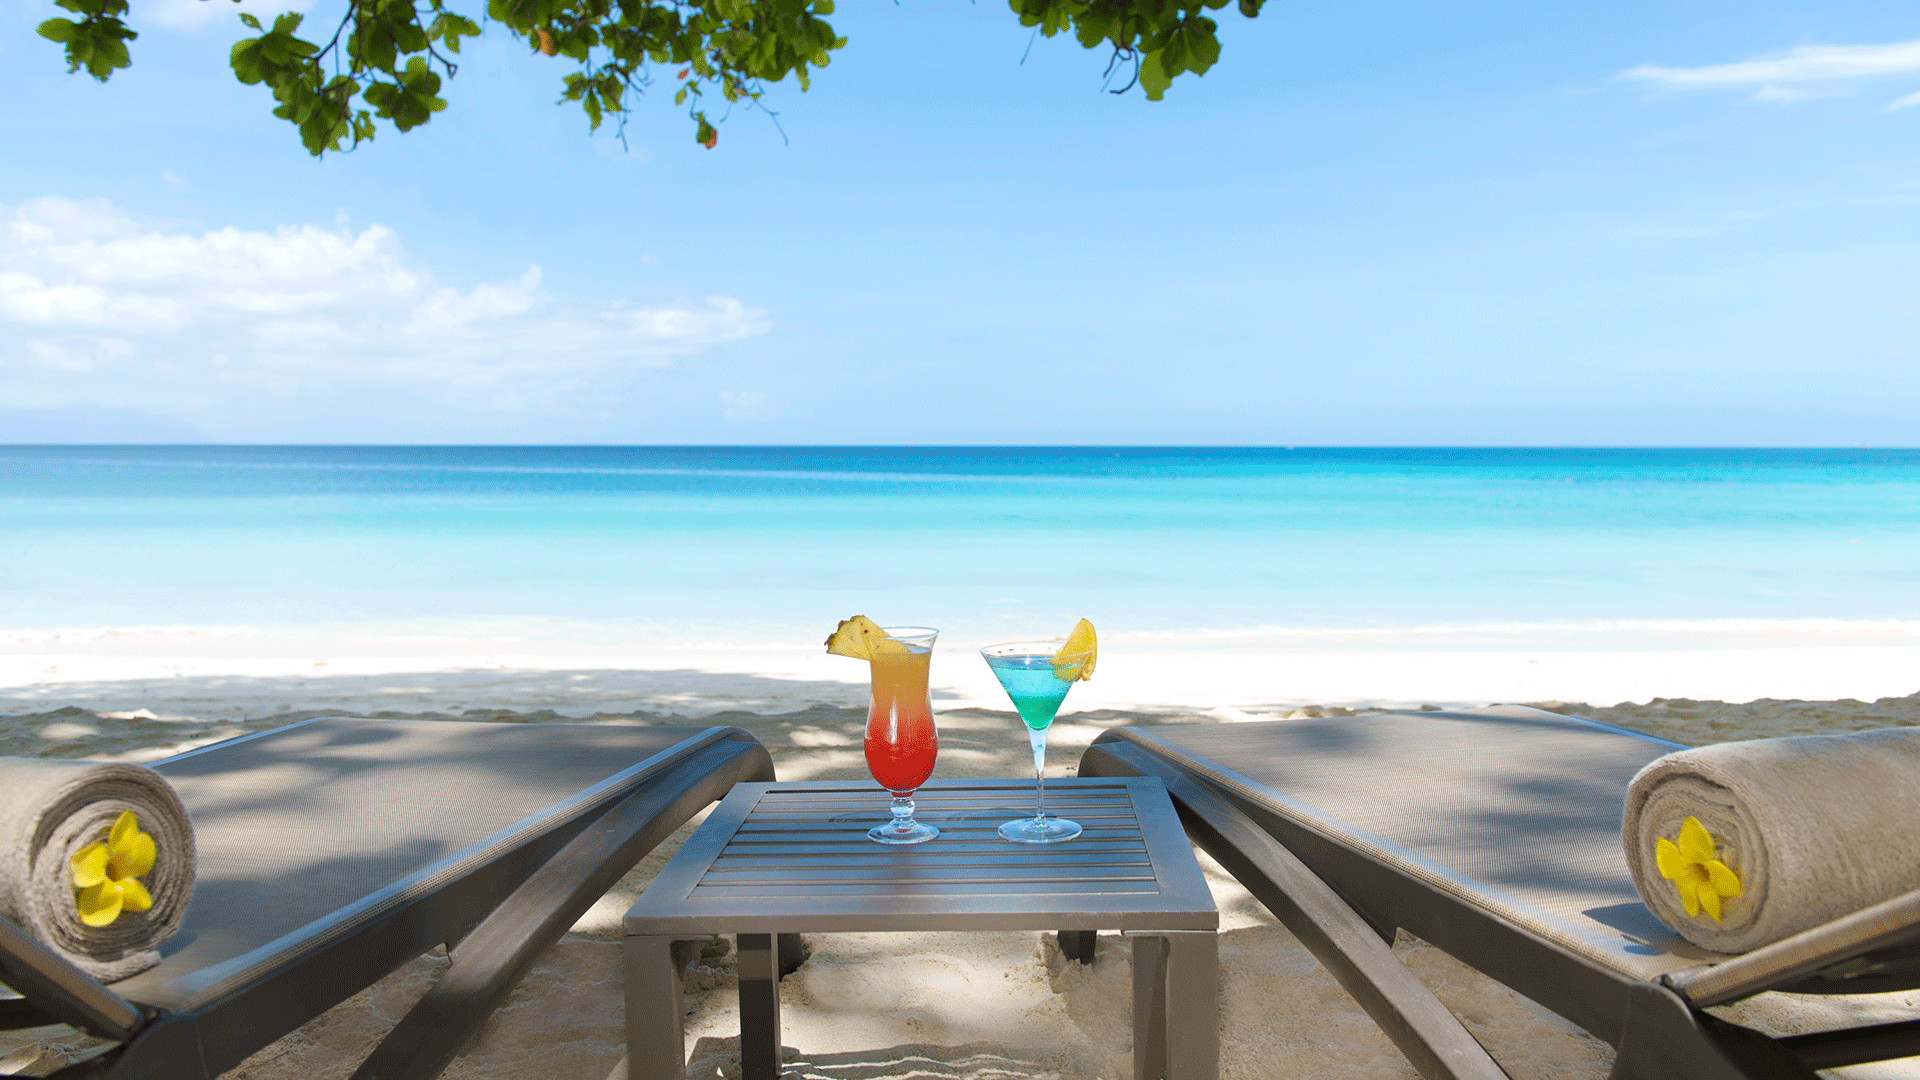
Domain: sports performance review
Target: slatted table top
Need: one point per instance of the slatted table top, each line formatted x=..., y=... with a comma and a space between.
x=794, y=858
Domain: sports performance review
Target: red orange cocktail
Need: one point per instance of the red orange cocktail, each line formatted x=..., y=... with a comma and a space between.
x=901, y=741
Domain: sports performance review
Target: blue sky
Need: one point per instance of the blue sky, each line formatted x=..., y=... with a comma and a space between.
x=1480, y=222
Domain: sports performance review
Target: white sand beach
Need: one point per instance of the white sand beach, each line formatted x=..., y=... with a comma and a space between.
x=955, y=1005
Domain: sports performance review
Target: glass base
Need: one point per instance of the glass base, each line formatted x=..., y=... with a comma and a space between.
x=913, y=832
x=1044, y=830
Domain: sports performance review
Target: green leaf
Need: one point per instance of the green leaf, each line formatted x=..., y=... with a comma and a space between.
x=1154, y=78
x=245, y=60
x=1173, y=58
x=97, y=42
x=1093, y=29
x=1204, y=49
x=410, y=38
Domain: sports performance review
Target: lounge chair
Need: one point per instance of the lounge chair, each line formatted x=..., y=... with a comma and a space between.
x=1494, y=834
x=333, y=851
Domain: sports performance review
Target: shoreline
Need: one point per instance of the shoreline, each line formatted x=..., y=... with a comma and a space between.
x=1223, y=682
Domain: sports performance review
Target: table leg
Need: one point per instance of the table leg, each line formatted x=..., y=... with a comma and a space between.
x=1079, y=944
x=1176, y=1005
x=759, y=967
x=656, y=1024
x=1149, y=1007
x=790, y=956
x=1193, y=1005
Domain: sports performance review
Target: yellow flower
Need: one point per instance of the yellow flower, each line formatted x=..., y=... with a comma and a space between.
x=103, y=874
x=1703, y=880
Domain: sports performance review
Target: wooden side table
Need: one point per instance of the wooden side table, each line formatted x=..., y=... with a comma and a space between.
x=777, y=860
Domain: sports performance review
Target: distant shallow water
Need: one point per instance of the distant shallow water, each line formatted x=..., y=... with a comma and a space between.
x=765, y=547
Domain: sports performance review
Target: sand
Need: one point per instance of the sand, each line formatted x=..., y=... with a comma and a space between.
x=950, y=1005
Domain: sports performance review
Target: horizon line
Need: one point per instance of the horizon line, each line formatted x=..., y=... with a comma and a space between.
x=1278, y=447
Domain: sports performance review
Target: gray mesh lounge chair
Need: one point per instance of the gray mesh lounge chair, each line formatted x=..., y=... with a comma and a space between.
x=334, y=851
x=1494, y=834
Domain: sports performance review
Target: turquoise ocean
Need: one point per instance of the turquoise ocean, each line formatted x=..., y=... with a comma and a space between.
x=602, y=548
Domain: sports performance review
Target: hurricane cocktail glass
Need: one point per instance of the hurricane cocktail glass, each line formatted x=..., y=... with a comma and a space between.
x=901, y=741
x=1037, y=676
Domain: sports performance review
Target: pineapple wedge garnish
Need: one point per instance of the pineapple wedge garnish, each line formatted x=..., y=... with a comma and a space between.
x=861, y=637
x=1078, y=642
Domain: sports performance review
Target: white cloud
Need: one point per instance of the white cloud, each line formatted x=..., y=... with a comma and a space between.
x=1907, y=102
x=744, y=404
x=446, y=310
x=1779, y=95
x=87, y=291
x=1806, y=63
x=25, y=298
x=723, y=319
x=79, y=353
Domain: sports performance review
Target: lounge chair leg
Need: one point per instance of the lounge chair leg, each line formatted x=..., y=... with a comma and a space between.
x=1079, y=944
x=759, y=1007
x=1665, y=1038
x=656, y=1018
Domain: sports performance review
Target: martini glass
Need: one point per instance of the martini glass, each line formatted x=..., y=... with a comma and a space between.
x=901, y=741
x=1037, y=679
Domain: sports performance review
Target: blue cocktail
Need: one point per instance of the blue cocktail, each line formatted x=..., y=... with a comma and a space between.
x=1037, y=676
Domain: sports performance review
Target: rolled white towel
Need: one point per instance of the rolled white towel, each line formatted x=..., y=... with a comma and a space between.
x=1809, y=828
x=52, y=811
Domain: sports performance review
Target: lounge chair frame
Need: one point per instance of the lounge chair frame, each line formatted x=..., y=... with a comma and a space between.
x=1345, y=906
x=494, y=920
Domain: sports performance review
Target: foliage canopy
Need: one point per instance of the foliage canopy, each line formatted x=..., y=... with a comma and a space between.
x=385, y=58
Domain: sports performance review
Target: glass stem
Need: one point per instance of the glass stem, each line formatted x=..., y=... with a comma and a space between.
x=902, y=813
x=1039, y=740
